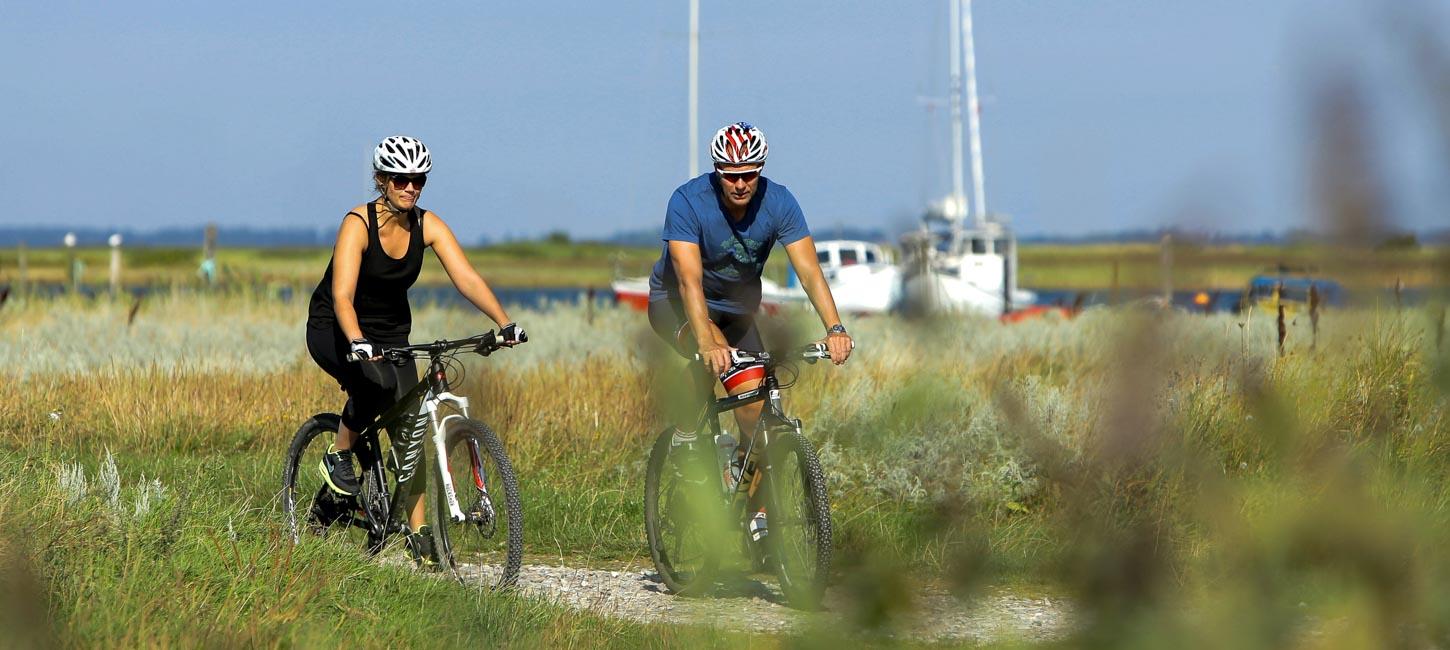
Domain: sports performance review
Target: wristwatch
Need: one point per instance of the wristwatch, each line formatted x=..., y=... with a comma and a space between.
x=836, y=329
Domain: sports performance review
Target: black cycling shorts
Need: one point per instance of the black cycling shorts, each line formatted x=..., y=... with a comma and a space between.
x=668, y=320
x=372, y=387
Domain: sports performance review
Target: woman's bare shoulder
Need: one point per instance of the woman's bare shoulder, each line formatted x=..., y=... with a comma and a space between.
x=360, y=211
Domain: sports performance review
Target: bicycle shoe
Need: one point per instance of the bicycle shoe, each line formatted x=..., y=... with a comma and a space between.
x=337, y=471
x=691, y=465
x=422, y=550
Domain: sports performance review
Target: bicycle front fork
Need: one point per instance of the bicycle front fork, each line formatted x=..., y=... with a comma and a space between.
x=445, y=477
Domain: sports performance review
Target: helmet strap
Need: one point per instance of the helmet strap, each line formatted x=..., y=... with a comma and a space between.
x=388, y=203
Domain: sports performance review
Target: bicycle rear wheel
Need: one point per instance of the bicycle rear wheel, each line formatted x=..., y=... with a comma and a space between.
x=488, y=494
x=307, y=503
x=683, y=516
x=798, y=519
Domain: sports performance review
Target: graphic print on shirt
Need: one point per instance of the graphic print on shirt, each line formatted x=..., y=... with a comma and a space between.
x=742, y=252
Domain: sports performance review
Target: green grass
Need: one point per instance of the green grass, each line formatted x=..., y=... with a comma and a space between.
x=1139, y=266
x=587, y=264
x=521, y=264
x=1172, y=474
x=209, y=565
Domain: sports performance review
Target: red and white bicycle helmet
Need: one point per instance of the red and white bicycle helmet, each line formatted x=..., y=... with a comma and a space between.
x=739, y=144
x=400, y=154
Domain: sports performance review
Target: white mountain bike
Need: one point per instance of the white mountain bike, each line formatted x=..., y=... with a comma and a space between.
x=472, y=492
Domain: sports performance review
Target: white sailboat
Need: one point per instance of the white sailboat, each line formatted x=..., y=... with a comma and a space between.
x=964, y=258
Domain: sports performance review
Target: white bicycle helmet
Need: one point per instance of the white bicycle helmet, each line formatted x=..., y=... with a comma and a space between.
x=400, y=154
x=739, y=144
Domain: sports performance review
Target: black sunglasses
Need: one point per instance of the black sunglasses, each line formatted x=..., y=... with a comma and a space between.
x=401, y=181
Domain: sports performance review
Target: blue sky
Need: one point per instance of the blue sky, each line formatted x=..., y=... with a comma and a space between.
x=572, y=115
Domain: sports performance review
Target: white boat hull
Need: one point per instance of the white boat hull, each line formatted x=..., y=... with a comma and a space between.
x=865, y=289
x=634, y=292
x=931, y=293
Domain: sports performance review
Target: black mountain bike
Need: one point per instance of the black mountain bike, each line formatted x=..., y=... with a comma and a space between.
x=472, y=492
x=694, y=499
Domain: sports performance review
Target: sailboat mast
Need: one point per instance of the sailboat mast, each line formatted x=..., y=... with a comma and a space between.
x=957, y=208
x=694, y=138
x=979, y=189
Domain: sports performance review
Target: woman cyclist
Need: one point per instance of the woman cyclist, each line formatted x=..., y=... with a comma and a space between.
x=361, y=306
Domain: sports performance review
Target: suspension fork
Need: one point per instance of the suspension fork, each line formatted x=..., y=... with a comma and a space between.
x=772, y=419
x=772, y=416
x=439, y=430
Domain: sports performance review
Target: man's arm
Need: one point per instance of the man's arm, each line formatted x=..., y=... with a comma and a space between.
x=689, y=269
x=802, y=253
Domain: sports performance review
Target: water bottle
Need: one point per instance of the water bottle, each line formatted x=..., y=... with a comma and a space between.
x=725, y=446
x=758, y=529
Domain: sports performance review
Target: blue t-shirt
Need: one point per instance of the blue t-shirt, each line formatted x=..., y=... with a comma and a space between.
x=733, y=254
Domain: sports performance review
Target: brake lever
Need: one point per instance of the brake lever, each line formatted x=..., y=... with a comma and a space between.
x=487, y=344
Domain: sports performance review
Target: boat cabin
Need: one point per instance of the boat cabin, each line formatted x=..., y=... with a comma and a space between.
x=836, y=253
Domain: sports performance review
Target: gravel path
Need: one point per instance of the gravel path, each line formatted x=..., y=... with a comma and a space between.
x=756, y=606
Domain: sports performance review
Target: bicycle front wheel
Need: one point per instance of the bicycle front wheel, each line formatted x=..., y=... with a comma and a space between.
x=683, y=516
x=798, y=519
x=487, y=492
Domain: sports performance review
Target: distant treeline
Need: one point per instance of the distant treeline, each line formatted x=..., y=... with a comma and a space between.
x=46, y=237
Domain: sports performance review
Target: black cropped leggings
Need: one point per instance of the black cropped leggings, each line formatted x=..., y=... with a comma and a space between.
x=371, y=387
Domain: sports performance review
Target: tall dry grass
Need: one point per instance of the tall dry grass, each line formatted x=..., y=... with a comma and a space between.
x=1172, y=471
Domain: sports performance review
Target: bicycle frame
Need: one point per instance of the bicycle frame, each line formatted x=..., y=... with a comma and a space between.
x=430, y=395
x=771, y=418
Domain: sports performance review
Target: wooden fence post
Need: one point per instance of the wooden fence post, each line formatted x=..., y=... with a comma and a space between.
x=1314, y=300
x=1283, y=331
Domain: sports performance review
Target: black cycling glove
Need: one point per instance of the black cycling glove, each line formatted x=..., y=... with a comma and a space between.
x=512, y=333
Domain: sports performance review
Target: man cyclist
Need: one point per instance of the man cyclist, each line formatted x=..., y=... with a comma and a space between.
x=705, y=287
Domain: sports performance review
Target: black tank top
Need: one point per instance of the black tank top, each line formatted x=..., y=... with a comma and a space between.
x=381, y=298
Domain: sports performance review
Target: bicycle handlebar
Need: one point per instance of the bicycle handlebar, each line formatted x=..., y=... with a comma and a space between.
x=810, y=353
x=483, y=344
